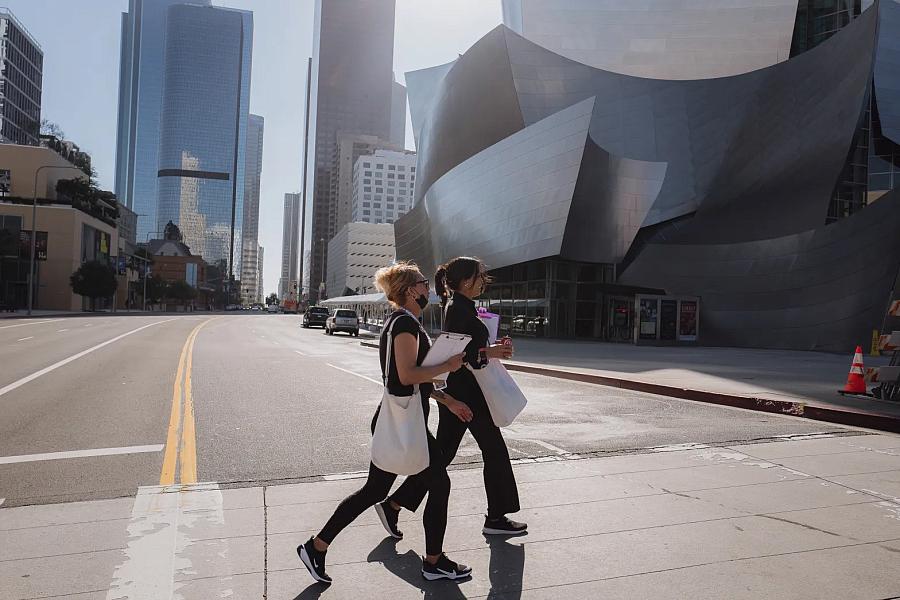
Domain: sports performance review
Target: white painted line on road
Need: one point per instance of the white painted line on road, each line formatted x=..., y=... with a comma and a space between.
x=61, y=330
x=30, y=337
x=301, y=353
x=375, y=381
x=549, y=447
x=31, y=323
x=65, y=361
x=23, y=458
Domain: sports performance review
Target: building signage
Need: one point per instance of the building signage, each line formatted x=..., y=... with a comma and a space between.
x=40, y=246
x=648, y=314
x=5, y=182
x=687, y=322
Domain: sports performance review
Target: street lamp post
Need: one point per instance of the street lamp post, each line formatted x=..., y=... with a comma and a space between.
x=146, y=263
x=322, y=280
x=34, y=230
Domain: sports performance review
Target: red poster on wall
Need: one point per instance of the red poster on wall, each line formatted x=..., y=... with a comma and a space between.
x=687, y=321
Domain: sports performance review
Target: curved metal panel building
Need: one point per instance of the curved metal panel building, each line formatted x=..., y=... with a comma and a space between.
x=687, y=186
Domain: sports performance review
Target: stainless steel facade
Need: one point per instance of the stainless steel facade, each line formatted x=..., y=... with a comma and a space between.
x=141, y=74
x=203, y=129
x=686, y=186
x=688, y=39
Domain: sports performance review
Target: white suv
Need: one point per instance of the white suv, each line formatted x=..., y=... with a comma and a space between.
x=343, y=320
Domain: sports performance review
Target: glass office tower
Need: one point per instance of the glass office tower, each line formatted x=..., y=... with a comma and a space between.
x=203, y=129
x=141, y=71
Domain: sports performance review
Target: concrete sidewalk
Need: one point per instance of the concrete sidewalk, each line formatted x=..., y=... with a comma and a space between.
x=793, y=382
x=807, y=517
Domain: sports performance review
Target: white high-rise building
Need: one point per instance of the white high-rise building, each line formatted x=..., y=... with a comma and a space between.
x=252, y=176
x=290, y=245
x=383, y=184
x=355, y=254
x=21, y=80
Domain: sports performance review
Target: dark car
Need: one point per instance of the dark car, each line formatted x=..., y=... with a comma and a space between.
x=315, y=316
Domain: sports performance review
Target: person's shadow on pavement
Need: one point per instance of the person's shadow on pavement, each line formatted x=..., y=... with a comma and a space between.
x=507, y=567
x=408, y=567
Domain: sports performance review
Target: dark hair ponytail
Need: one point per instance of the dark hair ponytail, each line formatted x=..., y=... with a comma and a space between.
x=440, y=285
x=450, y=275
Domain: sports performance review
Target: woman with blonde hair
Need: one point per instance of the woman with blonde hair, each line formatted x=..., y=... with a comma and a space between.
x=458, y=283
x=407, y=290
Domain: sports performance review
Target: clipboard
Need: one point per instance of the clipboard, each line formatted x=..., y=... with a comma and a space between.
x=445, y=346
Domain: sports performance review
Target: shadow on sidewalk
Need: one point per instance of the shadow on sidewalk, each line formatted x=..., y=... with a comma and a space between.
x=408, y=567
x=507, y=566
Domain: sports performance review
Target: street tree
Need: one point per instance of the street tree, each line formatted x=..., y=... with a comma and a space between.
x=94, y=279
x=181, y=291
x=156, y=289
x=271, y=299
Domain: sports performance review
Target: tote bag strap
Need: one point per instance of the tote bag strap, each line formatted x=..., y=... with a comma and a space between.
x=386, y=367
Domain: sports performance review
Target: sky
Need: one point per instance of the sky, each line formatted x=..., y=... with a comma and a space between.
x=81, y=40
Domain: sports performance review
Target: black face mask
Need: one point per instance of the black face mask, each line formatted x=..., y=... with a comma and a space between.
x=422, y=301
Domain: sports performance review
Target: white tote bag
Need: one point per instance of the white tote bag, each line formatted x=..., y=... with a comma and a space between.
x=504, y=398
x=400, y=441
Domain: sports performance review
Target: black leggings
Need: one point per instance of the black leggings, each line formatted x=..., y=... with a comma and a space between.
x=435, y=481
x=499, y=480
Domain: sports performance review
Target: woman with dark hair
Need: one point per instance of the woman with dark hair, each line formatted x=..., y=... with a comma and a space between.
x=458, y=283
x=406, y=343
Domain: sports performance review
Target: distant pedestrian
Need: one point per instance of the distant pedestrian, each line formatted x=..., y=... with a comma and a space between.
x=458, y=283
x=407, y=344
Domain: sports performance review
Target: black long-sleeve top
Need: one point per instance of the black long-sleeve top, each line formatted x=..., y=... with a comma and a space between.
x=461, y=316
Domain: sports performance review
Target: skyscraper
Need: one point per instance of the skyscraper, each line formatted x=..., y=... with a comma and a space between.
x=252, y=175
x=353, y=93
x=290, y=244
x=21, y=77
x=141, y=73
x=203, y=129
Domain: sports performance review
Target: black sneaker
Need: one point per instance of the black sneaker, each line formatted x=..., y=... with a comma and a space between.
x=389, y=517
x=503, y=526
x=314, y=561
x=444, y=568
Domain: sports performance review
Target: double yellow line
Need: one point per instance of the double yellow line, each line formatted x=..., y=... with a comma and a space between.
x=182, y=392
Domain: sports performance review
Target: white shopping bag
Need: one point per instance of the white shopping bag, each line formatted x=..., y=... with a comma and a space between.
x=492, y=322
x=504, y=398
x=400, y=441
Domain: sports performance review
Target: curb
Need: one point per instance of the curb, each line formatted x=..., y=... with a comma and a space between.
x=865, y=419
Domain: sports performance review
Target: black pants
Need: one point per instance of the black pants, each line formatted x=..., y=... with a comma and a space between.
x=499, y=480
x=435, y=482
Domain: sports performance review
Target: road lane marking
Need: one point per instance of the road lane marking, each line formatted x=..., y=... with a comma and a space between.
x=30, y=337
x=17, y=384
x=301, y=353
x=167, y=526
x=61, y=330
x=375, y=381
x=182, y=393
x=31, y=323
x=23, y=458
x=188, y=430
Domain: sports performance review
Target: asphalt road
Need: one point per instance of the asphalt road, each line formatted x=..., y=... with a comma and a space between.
x=86, y=407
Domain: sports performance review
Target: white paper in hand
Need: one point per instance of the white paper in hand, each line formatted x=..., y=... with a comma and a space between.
x=445, y=346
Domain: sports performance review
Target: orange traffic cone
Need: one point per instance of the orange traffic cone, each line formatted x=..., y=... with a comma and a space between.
x=856, y=383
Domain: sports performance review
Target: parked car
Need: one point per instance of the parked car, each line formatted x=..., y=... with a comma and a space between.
x=274, y=308
x=315, y=315
x=343, y=320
